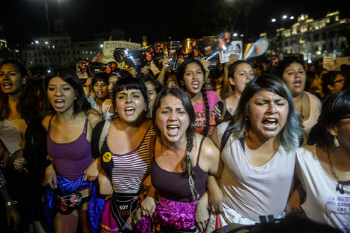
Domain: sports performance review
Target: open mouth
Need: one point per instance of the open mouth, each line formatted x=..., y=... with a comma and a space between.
x=7, y=85
x=195, y=84
x=173, y=130
x=270, y=123
x=129, y=111
x=297, y=83
x=59, y=104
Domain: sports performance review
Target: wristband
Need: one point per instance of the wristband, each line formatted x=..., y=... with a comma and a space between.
x=10, y=203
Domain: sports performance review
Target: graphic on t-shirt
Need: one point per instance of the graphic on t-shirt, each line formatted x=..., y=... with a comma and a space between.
x=339, y=206
x=201, y=120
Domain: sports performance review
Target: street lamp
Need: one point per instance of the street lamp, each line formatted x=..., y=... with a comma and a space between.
x=47, y=18
x=284, y=17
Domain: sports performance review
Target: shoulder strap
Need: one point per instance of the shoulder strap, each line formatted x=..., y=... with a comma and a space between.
x=151, y=145
x=104, y=134
x=86, y=123
x=225, y=137
x=199, y=149
x=49, y=128
x=223, y=112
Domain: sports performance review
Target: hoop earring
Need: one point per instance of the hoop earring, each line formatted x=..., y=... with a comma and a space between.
x=336, y=142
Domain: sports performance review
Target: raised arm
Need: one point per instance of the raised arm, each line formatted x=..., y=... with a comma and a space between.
x=161, y=75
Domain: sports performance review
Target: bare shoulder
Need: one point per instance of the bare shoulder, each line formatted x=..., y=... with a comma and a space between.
x=209, y=150
x=94, y=111
x=209, y=156
x=94, y=118
x=45, y=122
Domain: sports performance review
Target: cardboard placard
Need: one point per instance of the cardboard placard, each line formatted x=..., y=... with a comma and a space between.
x=234, y=48
x=110, y=46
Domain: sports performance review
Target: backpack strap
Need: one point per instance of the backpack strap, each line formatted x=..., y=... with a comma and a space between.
x=104, y=134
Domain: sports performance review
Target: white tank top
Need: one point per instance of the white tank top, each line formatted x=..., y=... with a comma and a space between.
x=255, y=191
x=323, y=203
x=315, y=110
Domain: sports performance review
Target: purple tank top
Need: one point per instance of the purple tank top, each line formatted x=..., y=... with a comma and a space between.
x=70, y=159
x=174, y=186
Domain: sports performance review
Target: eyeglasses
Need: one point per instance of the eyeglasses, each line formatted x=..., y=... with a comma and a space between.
x=340, y=81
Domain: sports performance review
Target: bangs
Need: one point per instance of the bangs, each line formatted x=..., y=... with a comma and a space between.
x=127, y=86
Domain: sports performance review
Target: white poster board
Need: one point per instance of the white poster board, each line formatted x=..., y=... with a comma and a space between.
x=328, y=63
x=110, y=46
x=234, y=48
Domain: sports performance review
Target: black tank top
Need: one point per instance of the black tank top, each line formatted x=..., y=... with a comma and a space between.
x=174, y=186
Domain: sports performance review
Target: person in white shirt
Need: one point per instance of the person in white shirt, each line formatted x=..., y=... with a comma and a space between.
x=259, y=155
x=324, y=167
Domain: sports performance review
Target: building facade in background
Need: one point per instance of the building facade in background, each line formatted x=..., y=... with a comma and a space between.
x=60, y=51
x=313, y=39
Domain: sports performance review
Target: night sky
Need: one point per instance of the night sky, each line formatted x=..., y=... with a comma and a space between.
x=21, y=21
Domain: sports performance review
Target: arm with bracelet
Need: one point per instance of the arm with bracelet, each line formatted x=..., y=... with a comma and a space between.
x=12, y=213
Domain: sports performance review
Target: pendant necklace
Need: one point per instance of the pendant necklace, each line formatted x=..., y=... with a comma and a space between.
x=341, y=183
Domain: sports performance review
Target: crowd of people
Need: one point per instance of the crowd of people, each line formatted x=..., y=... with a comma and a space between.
x=194, y=149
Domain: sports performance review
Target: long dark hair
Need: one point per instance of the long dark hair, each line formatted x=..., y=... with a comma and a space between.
x=5, y=110
x=180, y=74
x=186, y=162
x=80, y=102
x=334, y=108
x=29, y=101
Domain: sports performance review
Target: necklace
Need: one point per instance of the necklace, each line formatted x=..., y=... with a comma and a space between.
x=341, y=183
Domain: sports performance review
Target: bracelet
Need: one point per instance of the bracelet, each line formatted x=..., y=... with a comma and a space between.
x=10, y=203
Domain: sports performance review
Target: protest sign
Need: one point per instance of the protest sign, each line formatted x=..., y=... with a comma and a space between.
x=110, y=46
x=258, y=48
x=234, y=48
x=328, y=63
